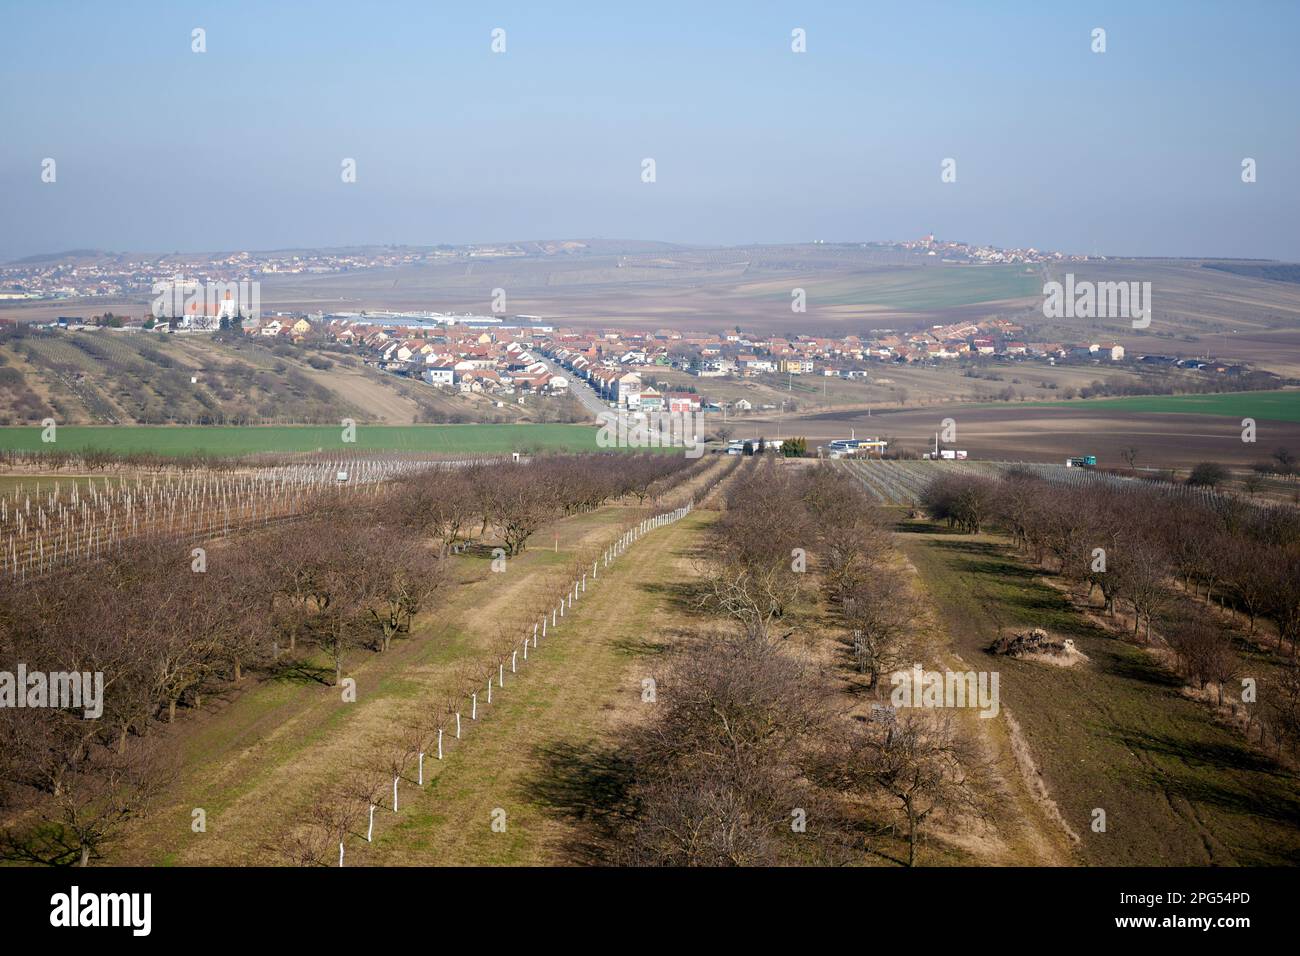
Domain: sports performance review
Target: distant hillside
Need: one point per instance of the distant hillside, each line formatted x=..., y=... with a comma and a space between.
x=56, y=256
x=1280, y=272
x=113, y=377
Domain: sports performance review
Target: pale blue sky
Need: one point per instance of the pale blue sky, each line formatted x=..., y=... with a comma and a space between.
x=1136, y=151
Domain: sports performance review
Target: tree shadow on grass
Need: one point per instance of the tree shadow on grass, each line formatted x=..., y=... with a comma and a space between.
x=682, y=597
x=1226, y=755
x=588, y=787
x=1258, y=818
x=1143, y=668
x=645, y=645
x=46, y=844
x=1028, y=601
x=984, y=557
x=301, y=672
x=924, y=526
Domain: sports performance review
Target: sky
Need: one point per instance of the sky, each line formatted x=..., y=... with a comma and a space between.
x=1134, y=151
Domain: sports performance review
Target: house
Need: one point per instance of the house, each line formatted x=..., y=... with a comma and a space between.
x=627, y=390
x=439, y=375
x=796, y=366
x=651, y=400
x=753, y=365
x=713, y=369
x=682, y=402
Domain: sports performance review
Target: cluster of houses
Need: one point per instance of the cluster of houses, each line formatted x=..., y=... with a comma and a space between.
x=603, y=357
x=609, y=360
x=499, y=356
x=458, y=358
x=612, y=378
x=847, y=357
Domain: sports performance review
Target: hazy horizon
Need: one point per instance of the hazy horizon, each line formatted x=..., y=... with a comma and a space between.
x=1136, y=151
x=682, y=244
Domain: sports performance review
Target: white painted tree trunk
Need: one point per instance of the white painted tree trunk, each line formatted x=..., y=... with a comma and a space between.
x=489, y=690
x=340, y=852
x=421, y=780
x=473, y=706
x=370, y=831
x=394, y=794
x=440, y=740
x=458, y=725
x=514, y=655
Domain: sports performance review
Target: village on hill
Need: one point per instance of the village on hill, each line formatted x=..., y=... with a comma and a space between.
x=506, y=356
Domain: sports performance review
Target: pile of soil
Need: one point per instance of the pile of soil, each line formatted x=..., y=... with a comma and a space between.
x=1037, y=644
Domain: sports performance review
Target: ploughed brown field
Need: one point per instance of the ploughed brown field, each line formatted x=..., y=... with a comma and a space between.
x=1030, y=433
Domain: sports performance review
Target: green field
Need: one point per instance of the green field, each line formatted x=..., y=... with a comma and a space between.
x=924, y=289
x=288, y=439
x=1267, y=406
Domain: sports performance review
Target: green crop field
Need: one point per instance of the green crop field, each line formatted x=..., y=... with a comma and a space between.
x=925, y=289
x=235, y=441
x=1267, y=406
